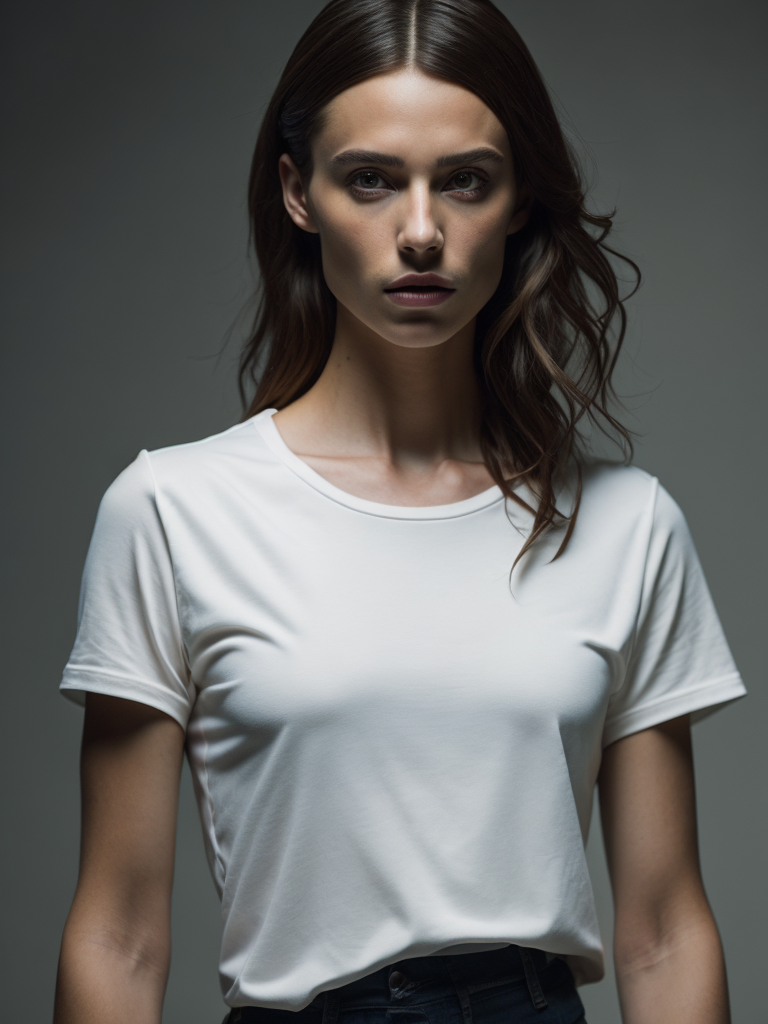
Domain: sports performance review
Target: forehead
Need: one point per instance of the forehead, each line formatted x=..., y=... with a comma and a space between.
x=409, y=114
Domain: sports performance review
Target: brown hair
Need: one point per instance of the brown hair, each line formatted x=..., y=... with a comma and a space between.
x=539, y=320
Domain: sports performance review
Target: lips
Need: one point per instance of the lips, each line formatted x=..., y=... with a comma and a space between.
x=416, y=282
x=419, y=290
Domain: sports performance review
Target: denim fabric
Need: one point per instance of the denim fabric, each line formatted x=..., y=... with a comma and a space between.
x=514, y=985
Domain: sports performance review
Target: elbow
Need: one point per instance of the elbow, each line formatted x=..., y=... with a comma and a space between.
x=137, y=936
x=645, y=939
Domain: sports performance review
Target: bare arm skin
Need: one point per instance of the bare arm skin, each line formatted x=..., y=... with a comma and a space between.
x=668, y=957
x=116, y=946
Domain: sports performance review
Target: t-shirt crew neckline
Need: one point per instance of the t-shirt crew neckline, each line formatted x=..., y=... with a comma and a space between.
x=268, y=429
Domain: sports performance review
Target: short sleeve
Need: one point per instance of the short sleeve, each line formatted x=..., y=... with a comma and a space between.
x=129, y=641
x=679, y=661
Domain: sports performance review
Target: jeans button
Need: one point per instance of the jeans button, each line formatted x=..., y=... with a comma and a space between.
x=397, y=980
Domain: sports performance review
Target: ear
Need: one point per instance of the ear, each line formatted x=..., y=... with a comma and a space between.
x=522, y=209
x=293, y=194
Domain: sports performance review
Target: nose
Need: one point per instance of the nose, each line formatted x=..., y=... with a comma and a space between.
x=419, y=232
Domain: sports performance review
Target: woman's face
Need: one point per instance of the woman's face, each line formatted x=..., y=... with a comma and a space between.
x=412, y=175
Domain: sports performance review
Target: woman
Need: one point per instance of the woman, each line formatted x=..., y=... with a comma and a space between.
x=398, y=617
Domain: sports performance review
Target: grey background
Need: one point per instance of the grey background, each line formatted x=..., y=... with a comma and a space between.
x=129, y=128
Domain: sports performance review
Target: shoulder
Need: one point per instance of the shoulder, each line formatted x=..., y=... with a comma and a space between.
x=188, y=465
x=622, y=497
x=183, y=469
x=610, y=491
x=617, y=497
x=189, y=458
x=621, y=477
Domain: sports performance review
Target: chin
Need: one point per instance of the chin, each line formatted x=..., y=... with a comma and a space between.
x=415, y=341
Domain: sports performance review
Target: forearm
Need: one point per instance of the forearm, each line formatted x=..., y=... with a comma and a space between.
x=678, y=979
x=104, y=980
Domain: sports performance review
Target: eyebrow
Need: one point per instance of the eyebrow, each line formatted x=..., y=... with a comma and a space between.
x=365, y=156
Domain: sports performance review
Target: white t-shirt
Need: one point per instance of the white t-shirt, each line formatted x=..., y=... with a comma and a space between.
x=392, y=753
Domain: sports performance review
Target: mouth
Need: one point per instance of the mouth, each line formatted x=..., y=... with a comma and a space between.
x=419, y=295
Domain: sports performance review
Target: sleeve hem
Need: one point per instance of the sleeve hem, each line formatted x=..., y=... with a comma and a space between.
x=698, y=701
x=77, y=682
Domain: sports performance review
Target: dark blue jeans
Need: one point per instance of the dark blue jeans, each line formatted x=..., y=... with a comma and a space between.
x=514, y=985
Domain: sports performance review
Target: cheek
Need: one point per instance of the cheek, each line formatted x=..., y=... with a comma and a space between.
x=478, y=246
x=351, y=249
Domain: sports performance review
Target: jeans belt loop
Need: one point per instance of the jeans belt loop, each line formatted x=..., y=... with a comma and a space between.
x=331, y=1006
x=461, y=990
x=534, y=985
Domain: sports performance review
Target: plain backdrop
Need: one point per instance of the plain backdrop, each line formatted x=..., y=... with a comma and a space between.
x=128, y=132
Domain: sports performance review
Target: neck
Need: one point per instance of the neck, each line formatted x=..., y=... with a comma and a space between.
x=411, y=406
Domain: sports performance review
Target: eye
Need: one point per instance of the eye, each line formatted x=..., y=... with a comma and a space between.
x=369, y=185
x=464, y=179
x=373, y=184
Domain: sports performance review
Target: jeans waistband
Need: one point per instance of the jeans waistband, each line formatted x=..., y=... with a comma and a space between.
x=420, y=979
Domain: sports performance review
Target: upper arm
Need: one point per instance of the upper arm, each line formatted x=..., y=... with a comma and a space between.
x=130, y=771
x=648, y=814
